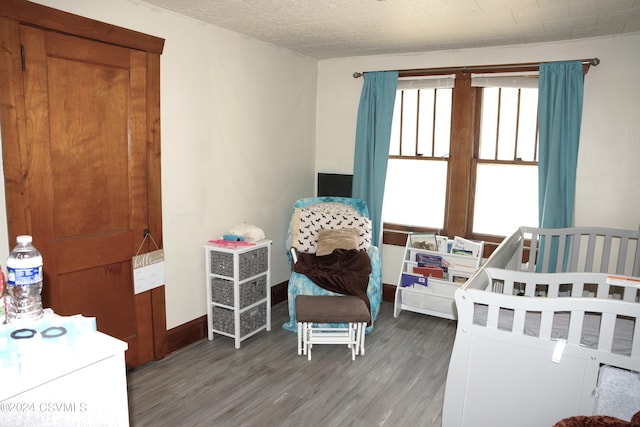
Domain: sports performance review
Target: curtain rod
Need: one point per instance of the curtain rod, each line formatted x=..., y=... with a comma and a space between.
x=585, y=62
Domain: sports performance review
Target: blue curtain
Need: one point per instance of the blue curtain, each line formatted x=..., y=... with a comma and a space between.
x=373, y=133
x=560, y=95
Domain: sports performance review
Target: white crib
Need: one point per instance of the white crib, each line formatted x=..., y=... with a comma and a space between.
x=530, y=344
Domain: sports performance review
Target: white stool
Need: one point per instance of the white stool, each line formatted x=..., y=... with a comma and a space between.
x=314, y=310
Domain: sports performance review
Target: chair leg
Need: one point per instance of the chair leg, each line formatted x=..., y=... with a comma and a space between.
x=353, y=338
x=307, y=336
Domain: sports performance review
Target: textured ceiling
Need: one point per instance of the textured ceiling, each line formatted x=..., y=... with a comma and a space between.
x=340, y=28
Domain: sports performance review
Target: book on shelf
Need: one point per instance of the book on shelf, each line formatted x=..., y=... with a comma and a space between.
x=429, y=271
x=461, y=280
x=409, y=280
x=460, y=273
x=462, y=246
x=457, y=251
x=425, y=241
x=442, y=243
x=430, y=260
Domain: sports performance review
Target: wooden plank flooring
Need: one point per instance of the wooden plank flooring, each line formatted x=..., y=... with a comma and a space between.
x=398, y=382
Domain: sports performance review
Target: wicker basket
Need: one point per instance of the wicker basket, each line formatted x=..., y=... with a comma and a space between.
x=222, y=263
x=250, y=292
x=250, y=320
x=250, y=263
x=253, y=262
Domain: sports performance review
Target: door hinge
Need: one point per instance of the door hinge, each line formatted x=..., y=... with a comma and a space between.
x=22, y=61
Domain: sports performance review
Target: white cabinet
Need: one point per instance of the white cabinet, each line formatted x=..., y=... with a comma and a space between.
x=429, y=295
x=82, y=384
x=238, y=281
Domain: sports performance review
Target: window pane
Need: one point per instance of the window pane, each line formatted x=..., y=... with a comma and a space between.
x=508, y=120
x=415, y=192
x=527, y=132
x=506, y=198
x=489, y=123
x=443, y=122
x=425, y=132
x=409, y=118
x=394, y=146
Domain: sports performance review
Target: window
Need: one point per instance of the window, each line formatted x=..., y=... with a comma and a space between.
x=420, y=138
x=463, y=154
x=506, y=171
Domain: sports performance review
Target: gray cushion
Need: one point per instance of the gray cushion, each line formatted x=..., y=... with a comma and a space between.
x=331, y=309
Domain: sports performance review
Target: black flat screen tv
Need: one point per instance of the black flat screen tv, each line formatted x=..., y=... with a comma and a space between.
x=334, y=184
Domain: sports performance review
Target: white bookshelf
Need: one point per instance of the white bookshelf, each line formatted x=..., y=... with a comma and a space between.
x=437, y=297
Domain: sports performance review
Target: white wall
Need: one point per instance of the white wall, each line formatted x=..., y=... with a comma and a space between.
x=608, y=184
x=238, y=126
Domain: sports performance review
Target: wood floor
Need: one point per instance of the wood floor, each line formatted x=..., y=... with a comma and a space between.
x=398, y=382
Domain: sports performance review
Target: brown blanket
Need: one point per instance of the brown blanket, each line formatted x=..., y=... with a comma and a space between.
x=344, y=271
x=598, y=421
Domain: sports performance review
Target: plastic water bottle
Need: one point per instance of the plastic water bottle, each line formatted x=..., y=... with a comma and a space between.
x=24, y=282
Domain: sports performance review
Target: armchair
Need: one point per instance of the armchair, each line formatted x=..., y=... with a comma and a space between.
x=321, y=213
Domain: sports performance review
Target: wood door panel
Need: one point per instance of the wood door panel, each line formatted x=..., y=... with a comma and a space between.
x=144, y=315
x=101, y=292
x=93, y=251
x=89, y=147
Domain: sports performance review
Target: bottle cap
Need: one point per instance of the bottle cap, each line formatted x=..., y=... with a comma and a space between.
x=24, y=239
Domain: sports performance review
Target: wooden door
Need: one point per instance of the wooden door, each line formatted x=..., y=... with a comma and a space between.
x=89, y=176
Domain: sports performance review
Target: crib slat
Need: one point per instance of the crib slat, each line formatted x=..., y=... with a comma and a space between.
x=518, y=322
x=533, y=252
x=546, y=252
x=606, y=254
x=576, y=242
x=622, y=255
x=627, y=242
x=508, y=287
x=543, y=255
x=591, y=245
x=635, y=344
x=603, y=291
x=548, y=239
x=530, y=289
x=636, y=262
x=546, y=321
x=577, y=289
x=562, y=241
x=607, y=327
x=630, y=294
x=492, y=317
x=575, y=327
x=553, y=290
x=517, y=260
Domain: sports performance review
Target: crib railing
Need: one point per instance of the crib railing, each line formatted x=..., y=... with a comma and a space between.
x=565, y=294
x=578, y=249
x=551, y=285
